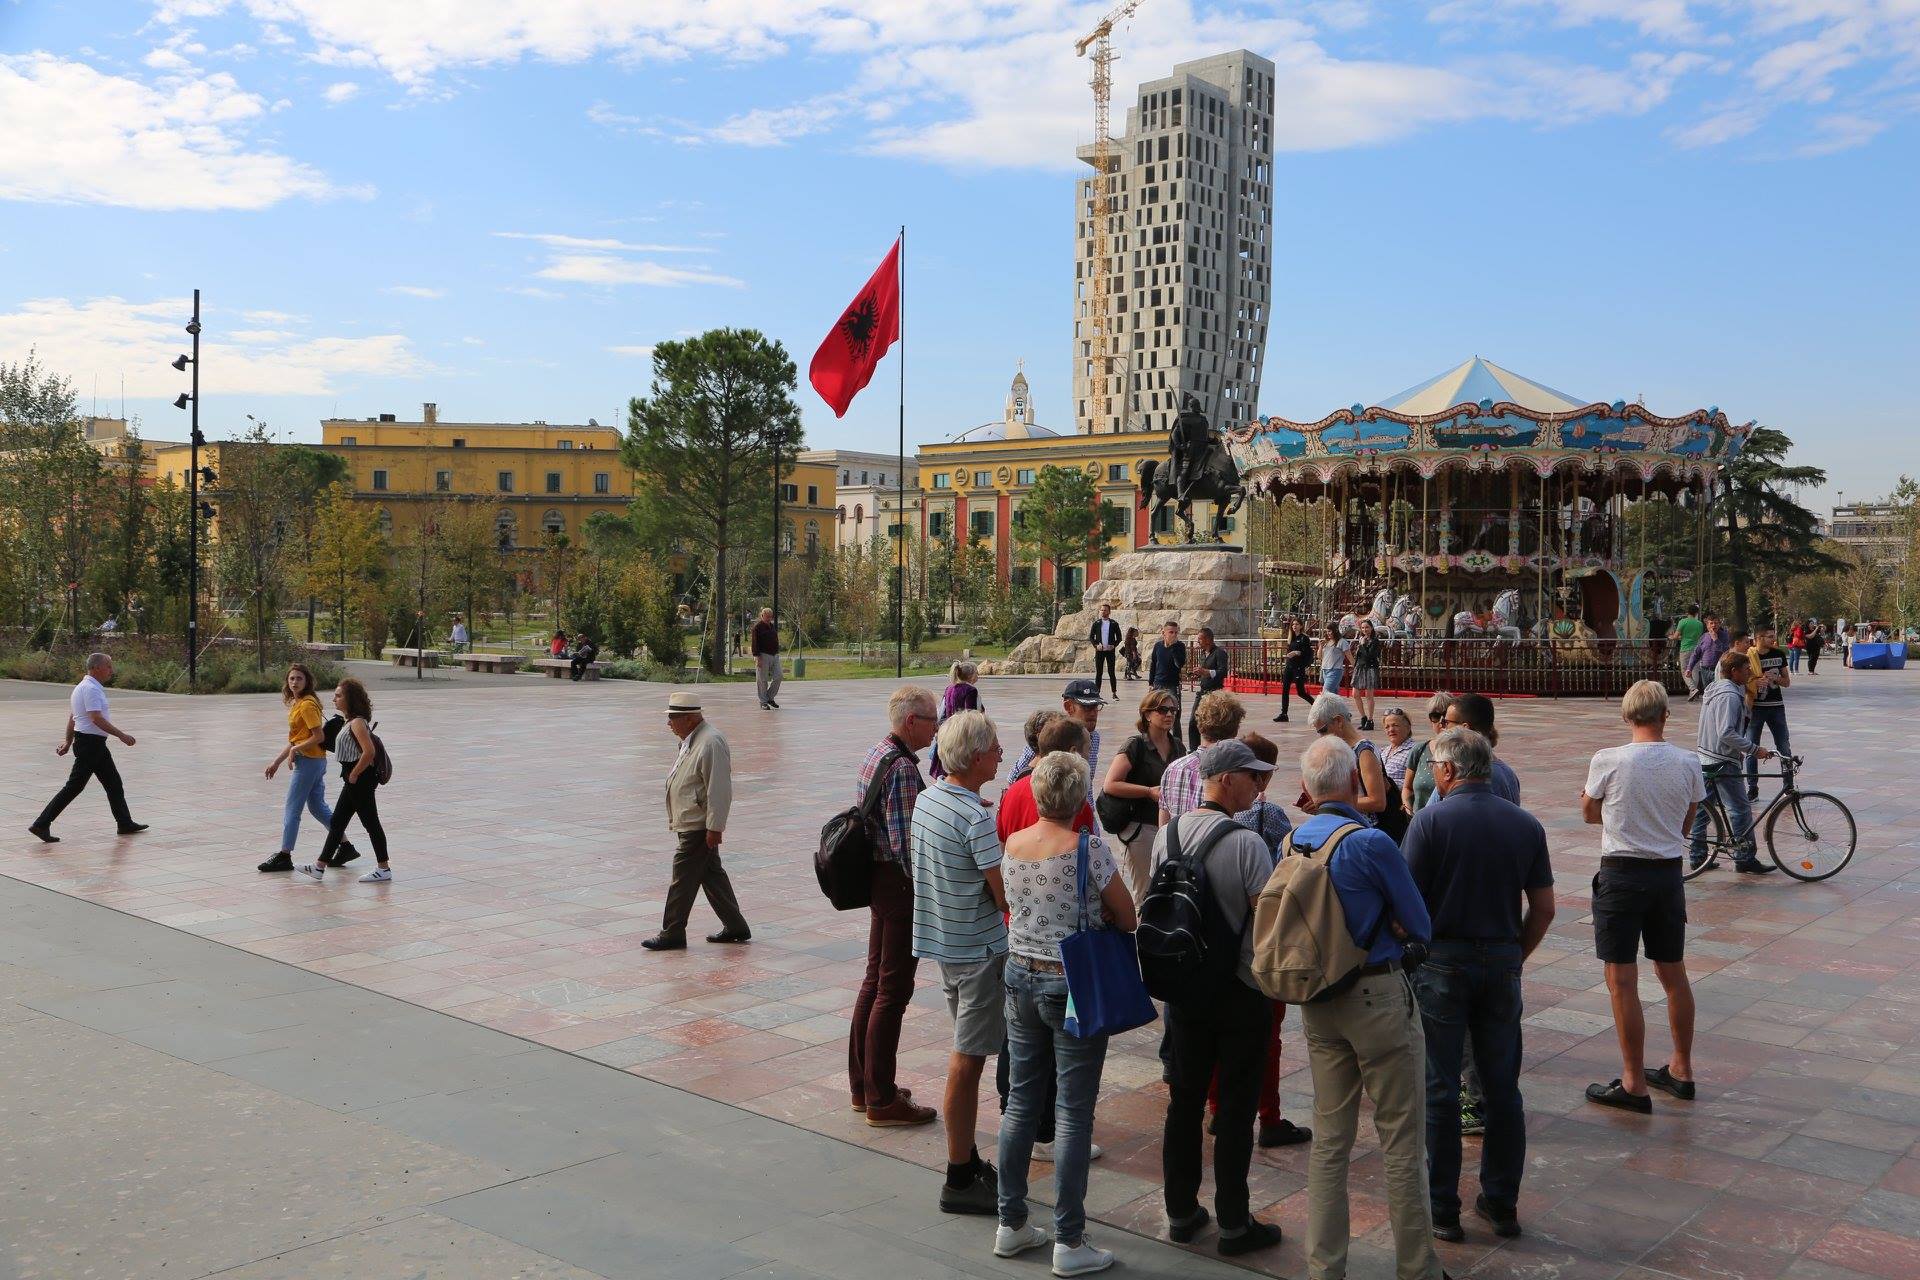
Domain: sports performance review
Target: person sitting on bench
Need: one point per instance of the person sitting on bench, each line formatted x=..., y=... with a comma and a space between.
x=584, y=653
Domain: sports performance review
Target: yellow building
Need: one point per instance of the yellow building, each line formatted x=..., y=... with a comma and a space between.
x=807, y=505
x=112, y=436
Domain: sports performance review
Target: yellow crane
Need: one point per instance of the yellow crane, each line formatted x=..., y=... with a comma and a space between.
x=1103, y=277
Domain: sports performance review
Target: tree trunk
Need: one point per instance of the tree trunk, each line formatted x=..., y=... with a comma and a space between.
x=717, y=656
x=1736, y=571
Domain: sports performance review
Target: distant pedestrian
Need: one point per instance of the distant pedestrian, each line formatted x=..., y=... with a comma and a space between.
x=962, y=694
x=1335, y=660
x=1217, y=718
x=305, y=756
x=1104, y=636
x=1368, y=650
x=557, y=648
x=1796, y=645
x=959, y=922
x=1642, y=795
x=88, y=729
x=1368, y=1038
x=1417, y=791
x=699, y=801
x=766, y=660
x=459, y=637
x=1768, y=707
x=1130, y=653
x=1816, y=642
x=1689, y=630
x=1166, y=667
x=1211, y=665
x=1704, y=659
x=584, y=652
x=358, y=755
x=1293, y=668
x=873, y=1043
x=1134, y=780
x=1042, y=878
x=1481, y=865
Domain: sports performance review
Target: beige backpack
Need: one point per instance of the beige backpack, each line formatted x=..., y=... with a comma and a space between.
x=1302, y=952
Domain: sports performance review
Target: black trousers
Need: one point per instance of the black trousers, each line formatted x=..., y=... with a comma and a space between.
x=1293, y=679
x=1104, y=658
x=356, y=800
x=91, y=759
x=1231, y=1033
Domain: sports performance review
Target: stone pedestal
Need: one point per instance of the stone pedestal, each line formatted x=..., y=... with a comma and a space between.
x=1192, y=587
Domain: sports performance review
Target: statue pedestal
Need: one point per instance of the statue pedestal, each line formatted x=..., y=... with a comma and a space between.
x=1192, y=587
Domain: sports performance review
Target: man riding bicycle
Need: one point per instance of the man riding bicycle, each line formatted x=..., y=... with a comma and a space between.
x=1723, y=748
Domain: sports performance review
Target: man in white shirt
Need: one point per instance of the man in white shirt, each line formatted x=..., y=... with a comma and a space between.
x=1105, y=638
x=88, y=729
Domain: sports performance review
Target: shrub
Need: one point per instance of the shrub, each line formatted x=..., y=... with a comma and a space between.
x=246, y=678
x=157, y=676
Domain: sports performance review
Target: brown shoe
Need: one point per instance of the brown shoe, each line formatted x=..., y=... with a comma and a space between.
x=899, y=1113
x=859, y=1104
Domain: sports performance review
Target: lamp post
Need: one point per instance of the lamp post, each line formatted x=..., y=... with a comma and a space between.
x=193, y=495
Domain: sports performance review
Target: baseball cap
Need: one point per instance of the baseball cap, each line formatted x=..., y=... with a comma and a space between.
x=1084, y=692
x=1231, y=756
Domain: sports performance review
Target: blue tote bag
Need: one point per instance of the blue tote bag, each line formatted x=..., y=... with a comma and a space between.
x=1105, y=993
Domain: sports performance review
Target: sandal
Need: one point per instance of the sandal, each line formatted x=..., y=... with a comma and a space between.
x=1615, y=1095
x=1661, y=1078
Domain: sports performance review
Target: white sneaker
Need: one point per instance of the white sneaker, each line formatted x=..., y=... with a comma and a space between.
x=1081, y=1260
x=1044, y=1151
x=379, y=875
x=1007, y=1242
x=311, y=869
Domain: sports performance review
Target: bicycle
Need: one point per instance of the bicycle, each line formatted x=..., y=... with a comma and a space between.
x=1810, y=835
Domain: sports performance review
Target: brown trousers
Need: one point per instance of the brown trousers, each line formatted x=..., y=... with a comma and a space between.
x=697, y=868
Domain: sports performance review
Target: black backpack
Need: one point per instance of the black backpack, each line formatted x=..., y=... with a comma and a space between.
x=1187, y=952
x=851, y=842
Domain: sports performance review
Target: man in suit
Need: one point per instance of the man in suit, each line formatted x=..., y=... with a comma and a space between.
x=1213, y=675
x=699, y=796
x=1105, y=638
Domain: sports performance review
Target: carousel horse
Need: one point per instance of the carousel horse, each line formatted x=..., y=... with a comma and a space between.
x=1404, y=618
x=1466, y=626
x=1382, y=601
x=1506, y=615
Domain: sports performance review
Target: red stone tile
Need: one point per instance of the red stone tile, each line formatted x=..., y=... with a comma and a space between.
x=1872, y=1252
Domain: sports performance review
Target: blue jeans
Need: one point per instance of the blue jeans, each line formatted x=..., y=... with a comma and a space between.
x=1036, y=1012
x=1469, y=994
x=306, y=789
x=1774, y=720
x=1726, y=779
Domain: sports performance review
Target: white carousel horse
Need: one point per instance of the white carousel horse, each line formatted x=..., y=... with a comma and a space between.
x=1382, y=601
x=1349, y=625
x=1404, y=617
x=1506, y=614
x=1465, y=625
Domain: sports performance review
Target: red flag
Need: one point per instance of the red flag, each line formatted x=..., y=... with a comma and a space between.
x=859, y=338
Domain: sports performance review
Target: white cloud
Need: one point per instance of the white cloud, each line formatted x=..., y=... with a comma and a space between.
x=1841, y=132
x=272, y=317
x=554, y=240
x=112, y=337
x=640, y=353
x=604, y=268
x=76, y=135
x=341, y=91
x=415, y=291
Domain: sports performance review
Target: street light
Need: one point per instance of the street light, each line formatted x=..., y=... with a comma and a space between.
x=195, y=507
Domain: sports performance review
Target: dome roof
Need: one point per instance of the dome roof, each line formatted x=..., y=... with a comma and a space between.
x=1001, y=430
x=1478, y=380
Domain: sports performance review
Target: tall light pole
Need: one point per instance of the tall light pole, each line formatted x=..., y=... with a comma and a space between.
x=193, y=495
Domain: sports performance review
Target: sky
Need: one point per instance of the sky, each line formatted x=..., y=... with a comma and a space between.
x=501, y=206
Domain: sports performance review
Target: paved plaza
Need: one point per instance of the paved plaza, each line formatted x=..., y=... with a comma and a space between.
x=531, y=859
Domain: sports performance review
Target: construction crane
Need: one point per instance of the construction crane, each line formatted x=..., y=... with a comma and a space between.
x=1102, y=275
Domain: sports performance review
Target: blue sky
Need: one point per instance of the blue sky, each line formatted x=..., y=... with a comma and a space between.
x=500, y=205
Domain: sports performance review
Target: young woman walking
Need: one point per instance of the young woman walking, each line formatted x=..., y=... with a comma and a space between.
x=355, y=751
x=305, y=756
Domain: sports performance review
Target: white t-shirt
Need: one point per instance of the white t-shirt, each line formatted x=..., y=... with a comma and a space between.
x=1645, y=788
x=1333, y=656
x=88, y=697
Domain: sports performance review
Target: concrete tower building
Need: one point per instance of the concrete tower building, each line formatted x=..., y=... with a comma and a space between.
x=1192, y=243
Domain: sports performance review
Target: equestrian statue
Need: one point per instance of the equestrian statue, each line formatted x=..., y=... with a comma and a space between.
x=1198, y=468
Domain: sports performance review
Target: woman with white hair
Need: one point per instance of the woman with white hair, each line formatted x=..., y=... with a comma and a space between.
x=1416, y=791
x=1041, y=872
x=962, y=694
x=1333, y=716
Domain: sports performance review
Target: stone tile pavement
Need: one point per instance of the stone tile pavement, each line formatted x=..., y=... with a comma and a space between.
x=531, y=860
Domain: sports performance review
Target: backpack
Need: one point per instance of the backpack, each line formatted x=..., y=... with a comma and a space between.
x=382, y=758
x=1302, y=952
x=851, y=842
x=1187, y=952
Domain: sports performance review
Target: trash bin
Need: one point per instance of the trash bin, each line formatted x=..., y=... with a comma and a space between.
x=799, y=666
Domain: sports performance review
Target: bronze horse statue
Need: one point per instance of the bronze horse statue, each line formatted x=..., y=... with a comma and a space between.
x=1198, y=467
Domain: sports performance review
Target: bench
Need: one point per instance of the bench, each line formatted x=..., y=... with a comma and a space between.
x=500, y=663
x=325, y=650
x=561, y=668
x=414, y=657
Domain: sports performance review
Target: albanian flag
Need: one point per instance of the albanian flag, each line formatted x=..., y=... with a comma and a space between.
x=859, y=338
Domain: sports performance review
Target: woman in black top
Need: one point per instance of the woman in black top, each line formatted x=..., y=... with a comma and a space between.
x=1293, y=670
x=1133, y=782
x=1816, y=641
x=1367, y=649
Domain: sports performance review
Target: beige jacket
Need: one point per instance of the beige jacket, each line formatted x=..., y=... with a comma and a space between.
x=700, y=785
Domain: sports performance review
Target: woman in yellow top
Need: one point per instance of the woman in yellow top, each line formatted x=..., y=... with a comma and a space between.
x=306, y=754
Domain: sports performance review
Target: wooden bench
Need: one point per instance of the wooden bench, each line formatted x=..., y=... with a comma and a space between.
x=414, y=657
x=500, y=663
x=325, y=650
x=561, y=668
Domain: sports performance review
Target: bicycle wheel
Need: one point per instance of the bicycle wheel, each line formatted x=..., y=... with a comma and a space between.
x=1815, y=840
x=1718, y=838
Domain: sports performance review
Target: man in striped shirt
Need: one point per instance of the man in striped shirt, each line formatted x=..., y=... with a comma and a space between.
x=1217, y=717
x=873, y=1043
x=959, y=921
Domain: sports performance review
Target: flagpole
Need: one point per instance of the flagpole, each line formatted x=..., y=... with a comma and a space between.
x=900, y=558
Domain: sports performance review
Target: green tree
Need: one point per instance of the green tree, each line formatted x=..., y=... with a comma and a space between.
x=255, y=498
x=310, y=472
x=704, y=442
x=52, y=484
x=1063, y=519
x=466, y=551
x=350, y=559
x=1763, y=532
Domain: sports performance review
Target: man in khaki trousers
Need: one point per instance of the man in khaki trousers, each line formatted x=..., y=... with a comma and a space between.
x=699, y=795
x=1369, y=1037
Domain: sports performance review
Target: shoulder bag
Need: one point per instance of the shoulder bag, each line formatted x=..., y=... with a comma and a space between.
x=1105, y=993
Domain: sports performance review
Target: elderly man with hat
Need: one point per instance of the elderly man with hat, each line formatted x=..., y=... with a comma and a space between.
x=699, y=794
x=1081, y=701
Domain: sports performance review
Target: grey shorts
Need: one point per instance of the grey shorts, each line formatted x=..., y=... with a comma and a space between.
x=977, y=999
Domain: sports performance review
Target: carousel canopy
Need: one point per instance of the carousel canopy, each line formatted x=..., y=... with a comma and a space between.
x=1477, y=380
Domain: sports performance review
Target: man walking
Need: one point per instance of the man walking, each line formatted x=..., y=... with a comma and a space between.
x=1642, y=795
x=1166, y=661
x=959, y=921
x=766, y=660
x=1104, y=636
x=1722, y=747
x=88, y=729
x=1482, y=868
x=1689, y=630
x=1769, y=709
x=874, y=1040
x=1369, y=1036
x=1293, y=672
x=1213, y=674
x=699, y=796
x=1701, y=664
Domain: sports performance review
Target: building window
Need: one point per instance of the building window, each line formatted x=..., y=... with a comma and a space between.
x=789, y=493
x=553, y=522
x=981, y=523
x=896, y=530
x=941, y=480
x=386, y=521
x=553, y=482
x=503, y=530
x=443, y=482
x=863, y=477
x=1126, y=520
x=1162, y=520
x=982, y=479
x=1116, y=472
x=1023, y=476
x=566, y=444
x=857, y=517
x=1073, y=579
x=602, y=482
x=459, y=442
x=505, y=481
x=380, y=481
x=1022, y=576
x=813, y=538
x=937, y=524
x=813, y=495
x=349, y=441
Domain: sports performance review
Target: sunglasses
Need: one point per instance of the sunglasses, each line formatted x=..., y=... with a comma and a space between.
x=1164, y=709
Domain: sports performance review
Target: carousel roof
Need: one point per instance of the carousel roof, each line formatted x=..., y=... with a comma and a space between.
x=1476, y=380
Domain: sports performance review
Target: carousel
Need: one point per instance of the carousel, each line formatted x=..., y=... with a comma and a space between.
x=1485, y=522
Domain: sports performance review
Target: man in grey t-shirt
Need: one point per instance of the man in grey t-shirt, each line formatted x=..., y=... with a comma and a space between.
x=1227, y=1028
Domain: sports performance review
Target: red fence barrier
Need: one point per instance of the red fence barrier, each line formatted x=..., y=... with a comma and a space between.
x=1497, y=668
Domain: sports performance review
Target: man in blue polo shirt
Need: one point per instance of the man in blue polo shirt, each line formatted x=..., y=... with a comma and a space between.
x=1367, y=1037
x=1481, y=865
